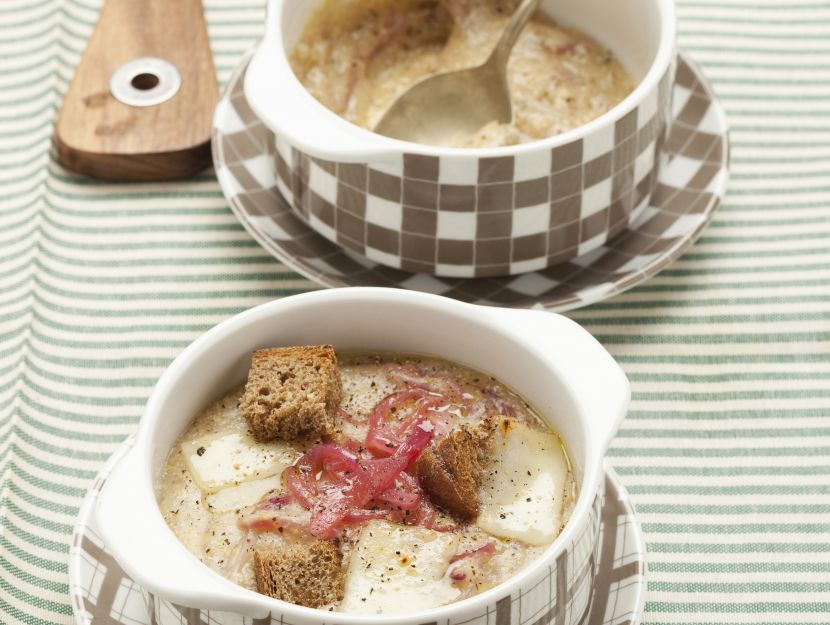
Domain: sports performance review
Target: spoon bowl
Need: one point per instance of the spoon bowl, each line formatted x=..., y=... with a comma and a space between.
x=447, y=109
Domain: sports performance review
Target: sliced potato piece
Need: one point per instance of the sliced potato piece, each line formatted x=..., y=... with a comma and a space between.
x=244, y=495
x=522, y=491
x=230, y=459
x=398, y=568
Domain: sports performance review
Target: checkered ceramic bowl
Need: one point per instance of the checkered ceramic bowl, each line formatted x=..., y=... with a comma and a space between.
x=479, y=212
x=549, y=359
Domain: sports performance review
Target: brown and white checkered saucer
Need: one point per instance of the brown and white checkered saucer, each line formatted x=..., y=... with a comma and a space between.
x=102, y=594
x=692, y=177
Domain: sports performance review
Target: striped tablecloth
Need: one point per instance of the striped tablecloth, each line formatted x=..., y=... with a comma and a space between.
x=726, y=450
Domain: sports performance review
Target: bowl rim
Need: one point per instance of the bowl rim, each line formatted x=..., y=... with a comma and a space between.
x=661, y=63
x=590, y=484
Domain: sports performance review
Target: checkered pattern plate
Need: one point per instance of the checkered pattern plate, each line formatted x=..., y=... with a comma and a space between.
x=102, y=594
x=692, y=176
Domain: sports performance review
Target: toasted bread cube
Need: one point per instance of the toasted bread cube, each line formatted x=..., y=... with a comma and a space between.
x=292, y=392
x=309, y=574
x=449, y=471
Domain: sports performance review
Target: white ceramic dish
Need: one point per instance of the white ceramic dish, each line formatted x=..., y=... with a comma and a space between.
x=547, y=358
x=479, y=212
x=103, y=594
x=693, y=176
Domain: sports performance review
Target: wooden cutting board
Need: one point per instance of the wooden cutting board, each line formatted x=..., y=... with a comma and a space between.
x=100, y=136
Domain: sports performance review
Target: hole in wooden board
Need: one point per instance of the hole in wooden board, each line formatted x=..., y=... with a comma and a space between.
x=145, y=81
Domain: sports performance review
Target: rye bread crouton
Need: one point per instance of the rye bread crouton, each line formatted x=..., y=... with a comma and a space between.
x=292, y=392
x=307, y=574
x=450, y=469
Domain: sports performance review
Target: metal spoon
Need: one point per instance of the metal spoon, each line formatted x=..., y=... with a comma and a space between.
x=449, y=108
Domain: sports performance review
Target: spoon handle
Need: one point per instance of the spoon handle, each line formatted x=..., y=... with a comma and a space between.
x=501, y=53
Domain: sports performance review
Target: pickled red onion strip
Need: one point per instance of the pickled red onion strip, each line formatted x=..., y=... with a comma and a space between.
x=299, y=488
x=410, y=376
x=391, y=403
x=423, y=410
x=336, y=485
x=381, y=440
x=427, y=516
x=333, y=461
x=417, y=441
x=456, y=392
x=501, y=405
x=464, y=565
x=485, y=549
x=277, y=501
x=334, y=504
x=407, y=496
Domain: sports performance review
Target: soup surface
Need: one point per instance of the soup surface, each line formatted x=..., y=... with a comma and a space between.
x=225, y=495
x=358, y=56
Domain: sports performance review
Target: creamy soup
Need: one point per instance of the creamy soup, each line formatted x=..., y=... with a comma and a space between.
x=358, y=56
x=225, y=495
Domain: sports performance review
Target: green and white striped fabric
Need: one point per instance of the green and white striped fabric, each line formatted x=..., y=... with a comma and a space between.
x=726, y=451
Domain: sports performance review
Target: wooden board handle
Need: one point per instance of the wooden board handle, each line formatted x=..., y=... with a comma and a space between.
x=100, y=136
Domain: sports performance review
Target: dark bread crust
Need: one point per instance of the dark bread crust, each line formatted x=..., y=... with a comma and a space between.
x=292, y=392
x=309, y=574
x=450, y=469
